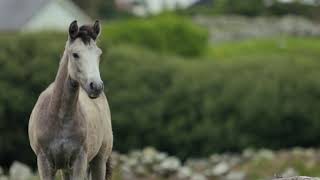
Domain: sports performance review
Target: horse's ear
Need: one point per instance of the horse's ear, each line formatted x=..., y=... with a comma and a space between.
x=96, y=29
x=73, y=29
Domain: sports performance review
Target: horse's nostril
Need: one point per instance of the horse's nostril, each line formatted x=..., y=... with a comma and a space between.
x=91, y=86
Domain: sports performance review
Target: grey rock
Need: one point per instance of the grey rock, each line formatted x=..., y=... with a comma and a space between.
x=168, y=166
x=215, y=158
x=198, y=177
x=4, y=178
x=265, y=154
x=149, y=155
x=19, y=171
x=221, y=169
x=1, y=171
x=132, y=162
x=234, y=160
x=198, y=164
x=141, y=170
x=161, y=156
x=184, y=172
x=123, y=158
x=248, y=153
x=218, y=170
x=297, y=151
x=236, y=175
x=310, y=152
x=115, y=159
x=289, y=172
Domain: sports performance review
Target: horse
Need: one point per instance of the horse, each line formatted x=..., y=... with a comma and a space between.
x=70, y=126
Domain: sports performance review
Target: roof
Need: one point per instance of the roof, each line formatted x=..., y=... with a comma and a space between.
x=14, y=14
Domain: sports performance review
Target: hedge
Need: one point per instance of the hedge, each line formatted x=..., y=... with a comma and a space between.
x=166, y=34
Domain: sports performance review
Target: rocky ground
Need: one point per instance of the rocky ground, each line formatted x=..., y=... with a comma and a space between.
x=149, y=164
x=230, y=28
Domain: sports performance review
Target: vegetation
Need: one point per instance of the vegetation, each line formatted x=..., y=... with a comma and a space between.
x=164, y=34
x=258, y=93
x=99, y=8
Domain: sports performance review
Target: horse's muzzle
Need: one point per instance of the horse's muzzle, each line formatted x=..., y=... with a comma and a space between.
x=95, y=89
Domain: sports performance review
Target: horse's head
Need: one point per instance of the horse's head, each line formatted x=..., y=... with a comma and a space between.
x=84, y=57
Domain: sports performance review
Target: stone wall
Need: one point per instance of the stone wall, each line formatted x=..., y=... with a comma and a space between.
x=150, y=164
x=230, y=28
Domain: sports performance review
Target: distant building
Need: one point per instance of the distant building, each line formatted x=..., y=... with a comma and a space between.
x=145, y=7
x=308, y=2
x=36, y=15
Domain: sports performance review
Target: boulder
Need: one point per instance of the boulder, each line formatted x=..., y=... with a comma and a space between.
x=184, y=172
x=149, y=155
x=4, y=178
x=168, y=166
x=198, y=164
x=221, y=169
x=265, y=154
x=19, y=171
x=198, y=177
x=289, y=172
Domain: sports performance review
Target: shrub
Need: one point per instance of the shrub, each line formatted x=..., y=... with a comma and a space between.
x=164, y=34
x=295, y=8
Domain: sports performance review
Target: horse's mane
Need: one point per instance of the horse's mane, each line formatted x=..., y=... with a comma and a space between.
x=86, y=33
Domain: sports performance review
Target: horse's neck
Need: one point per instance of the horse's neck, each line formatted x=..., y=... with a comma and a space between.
x=65, y=92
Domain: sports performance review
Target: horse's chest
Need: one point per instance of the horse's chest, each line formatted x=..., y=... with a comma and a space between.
x=64, y=148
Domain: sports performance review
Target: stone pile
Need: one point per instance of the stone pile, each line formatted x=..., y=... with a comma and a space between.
x=150, y=164
x=230, y=28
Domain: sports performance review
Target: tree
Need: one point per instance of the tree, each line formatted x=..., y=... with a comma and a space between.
x=98, y=8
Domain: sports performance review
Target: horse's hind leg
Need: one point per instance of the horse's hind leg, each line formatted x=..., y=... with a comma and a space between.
x=98, y=168
x=108, y=169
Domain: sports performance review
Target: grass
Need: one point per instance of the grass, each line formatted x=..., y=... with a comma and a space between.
x=304, y=165
x=292, y=47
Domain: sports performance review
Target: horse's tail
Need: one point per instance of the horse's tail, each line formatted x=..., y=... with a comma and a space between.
x=109, y=169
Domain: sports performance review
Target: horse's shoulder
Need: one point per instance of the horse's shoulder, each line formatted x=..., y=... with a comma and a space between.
x=37, y=113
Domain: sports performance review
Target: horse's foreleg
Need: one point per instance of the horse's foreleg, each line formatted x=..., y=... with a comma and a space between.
x=79, y=168
x=45, y=168
x=65, y=175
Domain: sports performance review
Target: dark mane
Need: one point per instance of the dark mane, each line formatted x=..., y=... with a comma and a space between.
x=86, y=33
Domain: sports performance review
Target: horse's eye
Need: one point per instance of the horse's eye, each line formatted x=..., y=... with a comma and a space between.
x=75, y=55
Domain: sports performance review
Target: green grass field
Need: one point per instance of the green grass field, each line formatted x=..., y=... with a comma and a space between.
x=276, y=47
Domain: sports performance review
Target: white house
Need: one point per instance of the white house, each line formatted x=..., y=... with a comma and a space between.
x=308, y=2
x=37, y=15
x=145, y=7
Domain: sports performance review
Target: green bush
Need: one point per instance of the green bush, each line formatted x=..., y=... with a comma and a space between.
x=165, y=34
x=187, y=108
x=294, y=8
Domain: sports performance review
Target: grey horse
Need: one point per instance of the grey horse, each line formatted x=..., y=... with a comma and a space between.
x=70, y=125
